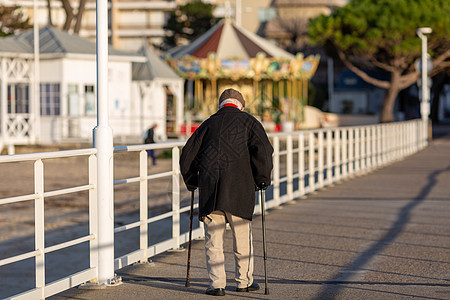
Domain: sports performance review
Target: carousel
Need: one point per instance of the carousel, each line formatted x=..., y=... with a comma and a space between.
x=273, y=82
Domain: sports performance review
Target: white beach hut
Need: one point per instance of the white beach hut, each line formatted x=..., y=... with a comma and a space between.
x=66, y=110
x=160, y=92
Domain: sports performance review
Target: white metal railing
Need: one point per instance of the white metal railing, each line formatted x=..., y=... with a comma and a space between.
x=42, y=289
x=304, y=161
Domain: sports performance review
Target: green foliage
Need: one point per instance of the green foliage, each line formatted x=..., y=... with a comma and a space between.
x=384, y=30
x=12, y=20
x=188, y=22
x=382, y=34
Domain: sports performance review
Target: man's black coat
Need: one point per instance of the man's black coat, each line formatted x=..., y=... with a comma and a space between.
x=227, y=157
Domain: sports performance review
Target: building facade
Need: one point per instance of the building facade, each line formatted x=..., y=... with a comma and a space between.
x=131, y=22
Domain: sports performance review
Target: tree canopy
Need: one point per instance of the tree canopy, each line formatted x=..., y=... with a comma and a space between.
x=369, y=34
x=12, y=20
x=188, y=22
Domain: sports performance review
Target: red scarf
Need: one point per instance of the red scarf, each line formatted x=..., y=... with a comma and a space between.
x=230, y=104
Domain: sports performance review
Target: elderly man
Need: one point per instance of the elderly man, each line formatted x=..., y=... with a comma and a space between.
x=227, y=158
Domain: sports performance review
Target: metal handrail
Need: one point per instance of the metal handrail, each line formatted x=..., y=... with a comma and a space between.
x=319, y=157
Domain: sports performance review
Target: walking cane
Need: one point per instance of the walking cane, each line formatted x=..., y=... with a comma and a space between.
x=188, y=284
x=263, y=214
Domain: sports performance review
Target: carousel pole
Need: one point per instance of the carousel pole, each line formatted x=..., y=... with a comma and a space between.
x=282, y=98
x=298, y=82
x=201, y=94
x=270, y=89
x=305, y=91
x=305, y=96
x=289, y=93
x=196, y=91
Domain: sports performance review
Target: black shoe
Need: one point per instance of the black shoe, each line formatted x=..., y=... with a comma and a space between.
x=215, y=292
x=252, y=288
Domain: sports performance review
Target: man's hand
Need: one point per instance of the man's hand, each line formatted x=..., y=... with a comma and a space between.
x=191, y=188
x=191, y=182
x=262, y=186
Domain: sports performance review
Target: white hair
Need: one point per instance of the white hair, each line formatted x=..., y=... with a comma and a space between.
x=231, y=101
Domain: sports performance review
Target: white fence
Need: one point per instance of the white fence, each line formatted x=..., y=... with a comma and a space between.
x=304, y=161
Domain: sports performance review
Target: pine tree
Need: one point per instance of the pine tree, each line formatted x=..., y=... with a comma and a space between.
x=381, y=34
x=188, y=22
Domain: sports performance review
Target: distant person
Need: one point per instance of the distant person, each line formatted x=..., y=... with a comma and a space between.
x=150, y=139
x=227, y=158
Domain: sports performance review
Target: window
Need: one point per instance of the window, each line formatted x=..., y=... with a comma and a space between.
x=50, y=99
x=18, y=98
x=90, y=100
x=265, y=14
x=73, y=100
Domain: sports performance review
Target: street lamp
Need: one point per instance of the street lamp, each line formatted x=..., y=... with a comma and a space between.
x=425, y=101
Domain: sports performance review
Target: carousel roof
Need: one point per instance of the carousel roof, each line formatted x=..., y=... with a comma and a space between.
x=229, y=41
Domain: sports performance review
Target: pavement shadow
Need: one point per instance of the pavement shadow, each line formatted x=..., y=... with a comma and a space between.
x=397, y=227
x=198, y=285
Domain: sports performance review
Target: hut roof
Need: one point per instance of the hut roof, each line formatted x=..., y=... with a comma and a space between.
x=153, y=67
x=52, y=41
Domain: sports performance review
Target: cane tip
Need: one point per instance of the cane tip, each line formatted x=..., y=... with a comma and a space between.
x=188, y=284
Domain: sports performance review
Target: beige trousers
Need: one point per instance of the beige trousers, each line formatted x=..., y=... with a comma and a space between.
x=215, y=225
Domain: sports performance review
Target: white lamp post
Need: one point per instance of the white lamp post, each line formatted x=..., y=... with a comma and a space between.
x=425, y=101
x=36, y=87
x=103, y=141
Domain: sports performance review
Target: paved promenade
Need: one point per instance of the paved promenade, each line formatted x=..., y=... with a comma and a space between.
x=383, y=235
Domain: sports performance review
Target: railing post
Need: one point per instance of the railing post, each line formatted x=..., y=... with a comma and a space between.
x=311, y=162
x=301, y=163
x=329, y=156
x=419, y=135
x=344, y=153
x=289, y=168
x=176, y=195
x=401, y=140
x=351, y=157
x=385, y=143
x=425, y=129
x=411, y=137
x=379, y=145
x=143, y=204
x=391, y=142
x=337, y=155
x=358, y=149
x=276, y=170
x=395, y=141
x=93, y=225
x=320, y=153
x=369, y=147
x=416, y=136
x=423, y=134
x=39, y=229
x=404, y=139
x=363, y=149
x=373, y=130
